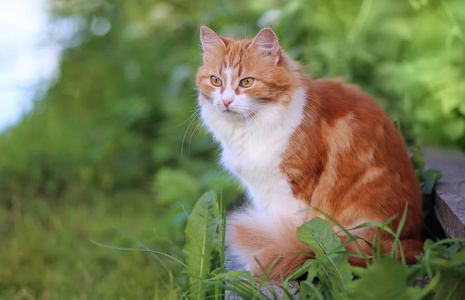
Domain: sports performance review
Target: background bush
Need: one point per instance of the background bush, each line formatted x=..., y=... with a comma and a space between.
x=116, y=140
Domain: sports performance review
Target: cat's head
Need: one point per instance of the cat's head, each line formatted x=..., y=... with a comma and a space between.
x=243, y=78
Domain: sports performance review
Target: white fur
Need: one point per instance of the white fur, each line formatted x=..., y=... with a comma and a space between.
x=252, y=148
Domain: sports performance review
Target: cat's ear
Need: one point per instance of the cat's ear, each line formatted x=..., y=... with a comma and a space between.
x=211, y=42
x=267, y=43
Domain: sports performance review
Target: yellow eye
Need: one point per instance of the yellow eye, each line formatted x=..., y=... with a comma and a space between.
x=246, y=82
x=216, y=81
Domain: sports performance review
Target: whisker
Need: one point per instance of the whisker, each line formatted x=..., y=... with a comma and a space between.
x=249, y=125
x=253, y=128
x=258, y=128
x=193, y=118
x=192, y=135
x=193, y=114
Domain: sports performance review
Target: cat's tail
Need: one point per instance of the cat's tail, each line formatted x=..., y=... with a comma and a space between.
x=258, y=242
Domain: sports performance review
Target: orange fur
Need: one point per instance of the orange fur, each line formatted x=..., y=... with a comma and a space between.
x=346, y=158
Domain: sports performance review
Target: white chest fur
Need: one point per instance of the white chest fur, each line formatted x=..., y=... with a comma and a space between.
x=252, y=151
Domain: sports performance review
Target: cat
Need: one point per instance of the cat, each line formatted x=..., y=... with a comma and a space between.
x=299, y=147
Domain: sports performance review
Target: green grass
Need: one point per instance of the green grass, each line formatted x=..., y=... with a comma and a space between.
x=46, y=250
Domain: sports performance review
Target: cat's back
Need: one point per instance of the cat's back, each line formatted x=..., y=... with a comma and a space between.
x=336, y=99
x=346, y=107
x=347, y=135
x=346, y=113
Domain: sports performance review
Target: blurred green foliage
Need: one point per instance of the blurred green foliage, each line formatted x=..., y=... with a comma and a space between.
x=119, y=125
x=119, y=110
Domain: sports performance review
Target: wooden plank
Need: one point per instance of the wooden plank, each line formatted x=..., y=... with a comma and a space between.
x=450, y=190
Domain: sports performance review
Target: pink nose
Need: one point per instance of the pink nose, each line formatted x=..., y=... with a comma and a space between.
x=227, y=102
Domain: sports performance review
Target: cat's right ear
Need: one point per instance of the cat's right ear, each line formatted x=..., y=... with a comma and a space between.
x=211, y=42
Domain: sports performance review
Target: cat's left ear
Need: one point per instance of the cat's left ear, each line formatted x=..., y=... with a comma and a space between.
x=267, y=43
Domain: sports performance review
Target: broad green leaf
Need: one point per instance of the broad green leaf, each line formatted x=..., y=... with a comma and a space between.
x=319, y=236
x=430, y=177
x=201, y=237
x=323, y=240
x=384, y=279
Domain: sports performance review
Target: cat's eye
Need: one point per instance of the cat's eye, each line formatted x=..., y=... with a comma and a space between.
x=246, y=82
x=216, y=81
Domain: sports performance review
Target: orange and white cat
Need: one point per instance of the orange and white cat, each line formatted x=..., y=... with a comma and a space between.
x=298, y=145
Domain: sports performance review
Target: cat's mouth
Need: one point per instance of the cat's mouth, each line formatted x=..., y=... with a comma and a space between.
x=231, y=114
